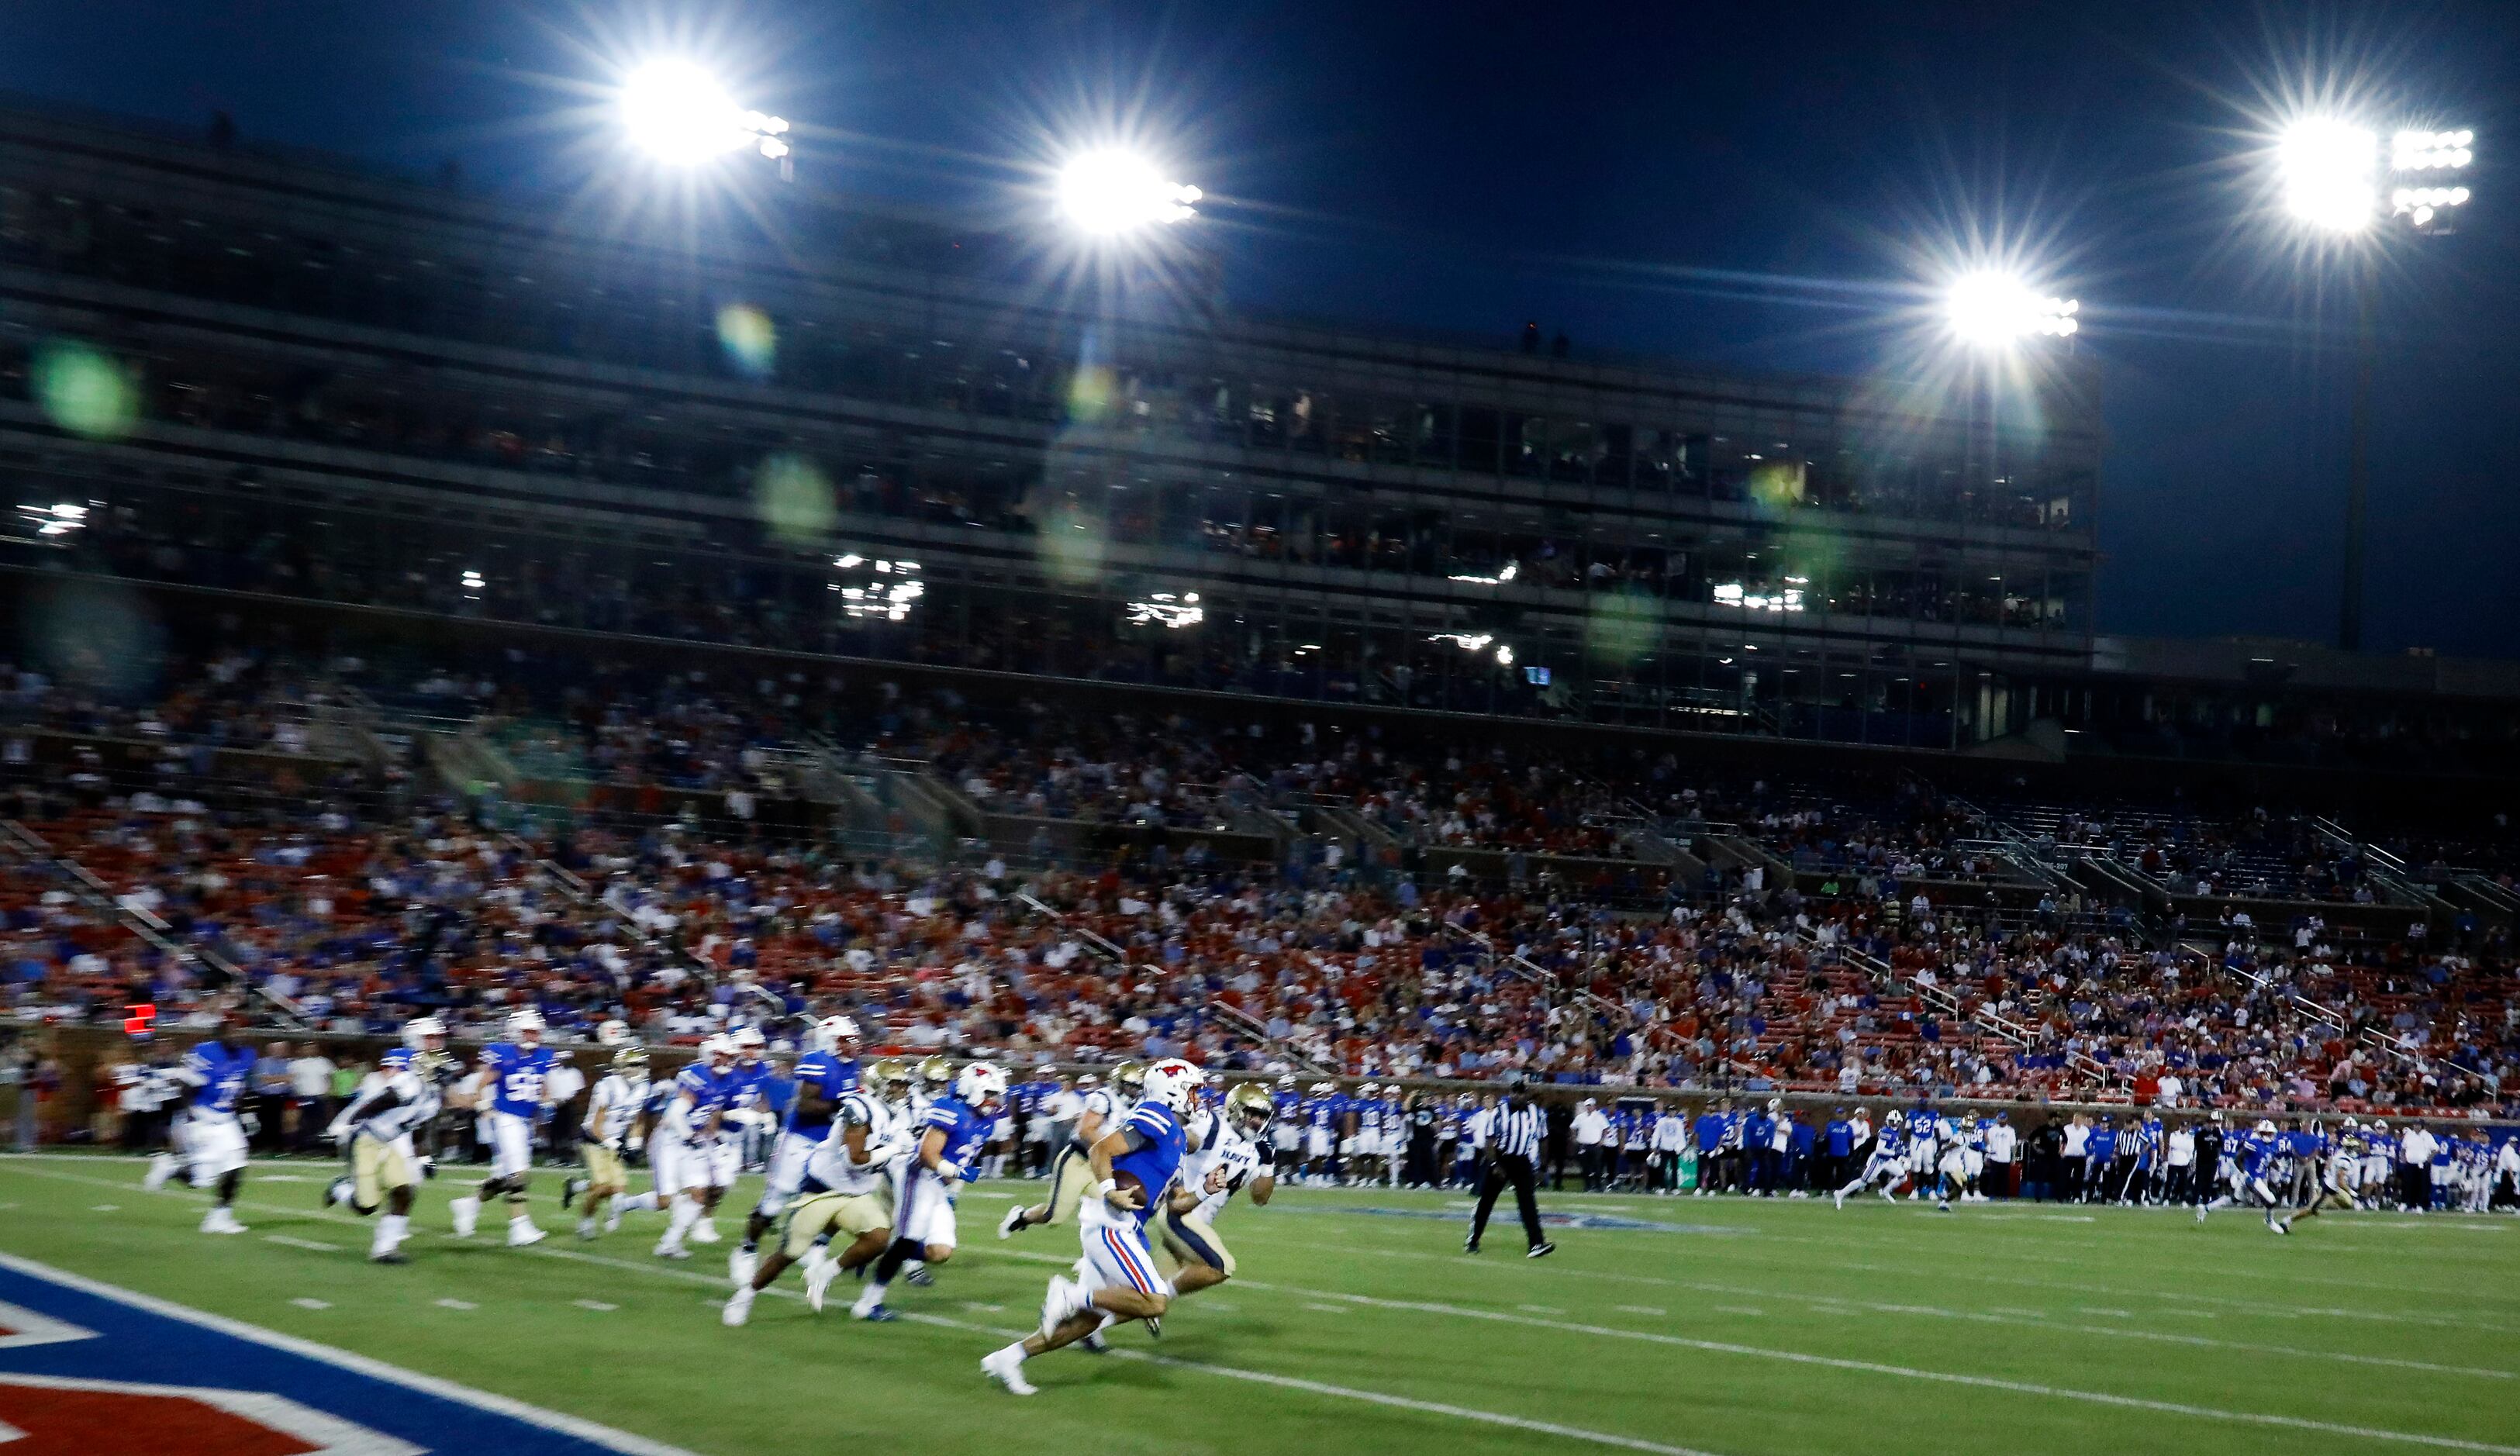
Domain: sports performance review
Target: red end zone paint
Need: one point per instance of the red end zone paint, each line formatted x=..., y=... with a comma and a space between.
x=87, y=1423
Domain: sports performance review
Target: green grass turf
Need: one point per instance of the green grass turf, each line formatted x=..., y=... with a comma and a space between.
x=1754, y=1327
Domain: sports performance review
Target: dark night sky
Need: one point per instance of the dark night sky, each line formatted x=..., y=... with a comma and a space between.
x=1705, y=181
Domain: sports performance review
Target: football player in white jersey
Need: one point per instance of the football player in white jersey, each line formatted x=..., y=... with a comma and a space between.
x=385, y=1167
x=610, y=1125
x=843, y=1188
x=1105, y=1107
x=1225, y=1151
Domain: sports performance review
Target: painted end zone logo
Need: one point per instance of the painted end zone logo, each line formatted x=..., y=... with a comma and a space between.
x=87, y=1369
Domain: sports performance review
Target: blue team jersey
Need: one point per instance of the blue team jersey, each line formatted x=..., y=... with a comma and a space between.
x=1156, y=1160
x=223, y=1071
x=1893, y=1139
x=1325, y=1112
x=1841, y=1138
x=2101, y=1145
x=745, y=1085
x=2258, y=1154
x=966, y=1132
x=519, y=1073
x=827, y=1076
x=706, y=1089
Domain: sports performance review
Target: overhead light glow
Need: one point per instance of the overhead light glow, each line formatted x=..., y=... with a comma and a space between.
x=678, y=114
x=1110, y=192
x=1992, y=309
x=2327, y=168
x=59, y=519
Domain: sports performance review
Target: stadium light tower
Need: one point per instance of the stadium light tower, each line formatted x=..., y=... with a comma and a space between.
x=1110, y=193
x=679, y=114
x=2332, y=173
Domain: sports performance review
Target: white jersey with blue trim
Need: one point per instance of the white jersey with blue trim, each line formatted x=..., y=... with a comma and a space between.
x=419, y=1099
x=1212, y=1143
x=831, y=1170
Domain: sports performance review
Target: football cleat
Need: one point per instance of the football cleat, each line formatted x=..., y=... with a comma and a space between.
x=1005, y=1367
x=569, y=1192
x=1094, y=1344
x=1057, y=1303
x=873, y=1314
x=586, y=1229
x=669, y=1248
x=739, y=1306
x=467, y=1213
x=336, y=1191
x=523, y=1235
x=390, y=1257
x=919, y=1278
x=221, y=1220
x=741, y=1265
x=1542, y=1249
x=1155, y=1326
x=705, y=1231
x=820, y=1270
x=1013, y=1223
x=160, y=1169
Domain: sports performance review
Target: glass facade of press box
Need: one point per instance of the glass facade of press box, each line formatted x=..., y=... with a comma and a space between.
x=364, y=390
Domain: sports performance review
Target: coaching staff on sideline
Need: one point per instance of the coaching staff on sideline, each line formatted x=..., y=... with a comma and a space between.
x=1508, y=1139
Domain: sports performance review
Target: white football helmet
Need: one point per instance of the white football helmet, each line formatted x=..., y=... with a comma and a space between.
x=718, y=1050
x=1171, y=1082
x=613, y=1032
x=750, y=1044
x=980, y=1084
x=835, y=1033
x=1893, y=1118
x=525, y=1025
x=2266, y=1127
x=423, y=1034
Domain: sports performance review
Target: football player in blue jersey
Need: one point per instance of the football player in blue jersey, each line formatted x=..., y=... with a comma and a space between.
x=683, y=1137
x=1119, y=1278
x=210, y=1136
x=515, y=1083
x=952, y=1132
x=1325, y=1113
x=826, y=1073
x=2258, y=1154
x=1888, y=1162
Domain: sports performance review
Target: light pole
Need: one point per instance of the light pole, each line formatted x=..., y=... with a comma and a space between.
x=2331, y=171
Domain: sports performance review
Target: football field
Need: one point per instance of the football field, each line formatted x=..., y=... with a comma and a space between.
x=1672, y=1325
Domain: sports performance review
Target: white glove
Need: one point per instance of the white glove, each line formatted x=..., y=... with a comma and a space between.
x=337, y=1130
x=950, y=1170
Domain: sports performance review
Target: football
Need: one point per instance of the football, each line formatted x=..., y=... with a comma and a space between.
x=1130, y=1184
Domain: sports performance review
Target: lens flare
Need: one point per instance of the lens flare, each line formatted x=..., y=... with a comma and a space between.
x=793, y=499
x=750, y=338
x=84, y=390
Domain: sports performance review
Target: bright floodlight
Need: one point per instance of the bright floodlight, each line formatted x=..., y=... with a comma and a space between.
x=1994, y=309
x=2327, y=168
x=679, y=114
x=1111, y=191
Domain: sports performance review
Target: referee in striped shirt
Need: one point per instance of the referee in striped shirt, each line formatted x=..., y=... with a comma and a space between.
x=1508, y=1138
